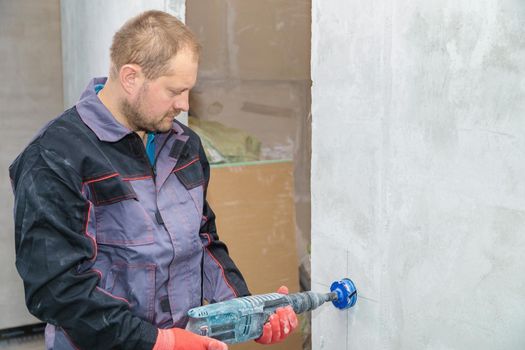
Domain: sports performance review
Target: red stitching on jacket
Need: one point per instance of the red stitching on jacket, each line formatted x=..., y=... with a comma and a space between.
x=207, y=237
x=113, y=296
x=104, y=177
x=99, y=272
x=186, y=165
x=94, y=192
x=88, y=235
x=222, y=272
x=69, y=339
x=137, y=178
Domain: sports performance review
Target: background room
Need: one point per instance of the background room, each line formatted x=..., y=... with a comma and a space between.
x=380, y=141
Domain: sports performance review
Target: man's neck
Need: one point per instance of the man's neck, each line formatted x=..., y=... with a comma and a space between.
x=110, y=100
x=144, y=136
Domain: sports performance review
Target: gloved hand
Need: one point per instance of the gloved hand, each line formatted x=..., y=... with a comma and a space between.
x=180, y=339
x=280, y=324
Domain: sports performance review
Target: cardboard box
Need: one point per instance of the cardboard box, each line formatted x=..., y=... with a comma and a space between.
x=255, y=212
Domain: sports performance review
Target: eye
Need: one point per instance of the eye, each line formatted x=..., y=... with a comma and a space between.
x=174, y=92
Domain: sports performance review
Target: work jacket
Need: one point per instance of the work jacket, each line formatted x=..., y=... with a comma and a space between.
x=110, y=247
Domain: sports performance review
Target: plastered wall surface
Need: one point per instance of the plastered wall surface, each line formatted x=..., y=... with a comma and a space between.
x=418, y=186
x=30, y=95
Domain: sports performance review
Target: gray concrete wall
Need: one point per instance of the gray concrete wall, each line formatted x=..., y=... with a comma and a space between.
x=87, y=30
x=30, y=95
x=418, y=186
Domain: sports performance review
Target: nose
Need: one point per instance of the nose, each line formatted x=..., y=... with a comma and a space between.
x=182, y=102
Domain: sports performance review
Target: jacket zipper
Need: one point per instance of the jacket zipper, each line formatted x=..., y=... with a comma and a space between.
x=153, y=171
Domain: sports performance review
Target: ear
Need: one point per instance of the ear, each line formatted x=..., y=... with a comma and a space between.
x=131, y=78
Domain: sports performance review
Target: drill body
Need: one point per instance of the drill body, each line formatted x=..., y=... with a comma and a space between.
x=242, y=319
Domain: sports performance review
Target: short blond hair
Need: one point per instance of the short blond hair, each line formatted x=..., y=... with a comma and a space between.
x=150, y=40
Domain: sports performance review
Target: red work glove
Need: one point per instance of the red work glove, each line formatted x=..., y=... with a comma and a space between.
x=180, y=339
x=280, y=324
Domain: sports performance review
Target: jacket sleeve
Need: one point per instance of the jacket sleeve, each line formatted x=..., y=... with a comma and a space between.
x=51, y=243
x=222, y=279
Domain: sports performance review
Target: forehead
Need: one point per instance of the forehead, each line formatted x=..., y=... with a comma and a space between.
x=182, y=69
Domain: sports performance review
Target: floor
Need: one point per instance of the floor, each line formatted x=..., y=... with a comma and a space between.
x=34, y=343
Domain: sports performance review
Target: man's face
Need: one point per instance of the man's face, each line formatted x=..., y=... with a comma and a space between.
x=159, y=101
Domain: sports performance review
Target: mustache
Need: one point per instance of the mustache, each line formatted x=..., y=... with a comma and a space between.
x=173, y=113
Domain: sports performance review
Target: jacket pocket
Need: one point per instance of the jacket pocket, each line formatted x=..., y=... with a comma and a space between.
x=111, y=189
x=136, y=284
x=190, y=174
x=120, y=217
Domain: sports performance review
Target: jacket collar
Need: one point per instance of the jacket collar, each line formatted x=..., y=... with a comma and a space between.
x=97, y=117
x=100, y=120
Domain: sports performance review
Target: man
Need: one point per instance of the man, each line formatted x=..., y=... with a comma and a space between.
x=115, y=240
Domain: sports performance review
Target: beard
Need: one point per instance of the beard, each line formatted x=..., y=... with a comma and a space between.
x=139, y=121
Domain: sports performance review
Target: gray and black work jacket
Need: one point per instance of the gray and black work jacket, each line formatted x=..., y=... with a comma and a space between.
x=109, y=247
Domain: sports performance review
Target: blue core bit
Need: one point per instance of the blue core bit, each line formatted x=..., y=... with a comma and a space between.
x=346, y=293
